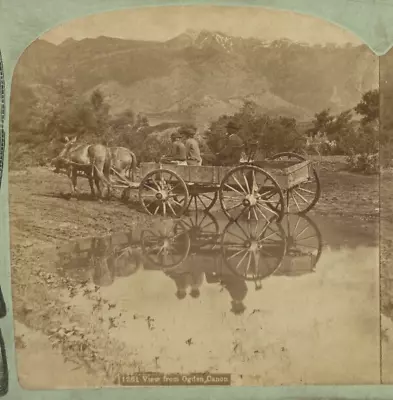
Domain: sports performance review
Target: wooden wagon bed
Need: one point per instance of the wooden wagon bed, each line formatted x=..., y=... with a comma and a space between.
x=286, y=183
x=286, y=173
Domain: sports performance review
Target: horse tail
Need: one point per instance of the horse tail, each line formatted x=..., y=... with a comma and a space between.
x=105, y=174
x=108, y=163
x=133, y=166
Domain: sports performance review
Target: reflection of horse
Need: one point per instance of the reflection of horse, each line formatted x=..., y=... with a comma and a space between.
x=101, y=260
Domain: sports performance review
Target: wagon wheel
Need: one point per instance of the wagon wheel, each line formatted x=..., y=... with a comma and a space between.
x=253, y=250
x=165, y=248
x=201, y=200
x=303, y=197
x=202, y=227
x=303, y=237
x=163, y=191
x=251, y=191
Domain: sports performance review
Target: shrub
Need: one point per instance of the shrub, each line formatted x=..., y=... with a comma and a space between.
x=365, y=163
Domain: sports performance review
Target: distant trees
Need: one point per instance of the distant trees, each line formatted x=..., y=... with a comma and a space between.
x=64, y=112
x=263, y=133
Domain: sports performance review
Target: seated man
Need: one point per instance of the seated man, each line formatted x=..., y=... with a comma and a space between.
x=231, y=154
x=178, y=151
x=193, y=153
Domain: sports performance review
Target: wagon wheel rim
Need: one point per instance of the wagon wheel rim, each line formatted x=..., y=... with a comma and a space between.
x=163, y=192
x=253, y=250
x=303, y=238
x=202, y=227
x=201, y=200
x=251, y=192
x=303, y=197
x=165, y=248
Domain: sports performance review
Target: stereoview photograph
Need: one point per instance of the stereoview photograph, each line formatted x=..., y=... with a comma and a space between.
x=194, y=200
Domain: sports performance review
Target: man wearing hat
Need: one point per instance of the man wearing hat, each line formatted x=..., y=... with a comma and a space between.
x=193, y=153
x=232, y=152
x=178, y=151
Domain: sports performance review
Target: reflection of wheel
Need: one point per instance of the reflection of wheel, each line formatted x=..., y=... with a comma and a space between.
x=201, y=200
x=303, y=197
x=163, y=192
x=251, y=191
x=202, y=228
x=164, y=247
x=303, y=238
x=253, y=250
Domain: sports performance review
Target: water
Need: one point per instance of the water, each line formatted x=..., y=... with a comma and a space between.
x=288, y=303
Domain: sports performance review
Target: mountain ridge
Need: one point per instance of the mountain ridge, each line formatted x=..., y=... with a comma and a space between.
x=200, y=73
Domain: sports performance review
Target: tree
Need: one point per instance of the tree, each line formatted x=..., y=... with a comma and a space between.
x=368, y=107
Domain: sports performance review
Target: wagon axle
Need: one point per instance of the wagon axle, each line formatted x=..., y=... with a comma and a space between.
x=250, y=200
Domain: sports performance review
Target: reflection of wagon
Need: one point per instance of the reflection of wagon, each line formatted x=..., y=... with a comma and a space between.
x=258, y=190
x=251, y=250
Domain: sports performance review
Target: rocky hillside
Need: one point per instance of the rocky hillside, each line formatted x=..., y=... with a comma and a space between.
x=200, y=75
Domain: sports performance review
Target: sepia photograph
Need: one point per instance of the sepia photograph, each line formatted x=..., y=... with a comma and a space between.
x=194, y=200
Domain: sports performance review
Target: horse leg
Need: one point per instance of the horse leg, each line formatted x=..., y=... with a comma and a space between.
x=74, y=178
x=91, y=181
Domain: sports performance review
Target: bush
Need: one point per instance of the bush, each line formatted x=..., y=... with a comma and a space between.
x=365, y=163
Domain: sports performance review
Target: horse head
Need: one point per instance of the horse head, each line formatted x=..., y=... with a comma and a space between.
x=59, y=162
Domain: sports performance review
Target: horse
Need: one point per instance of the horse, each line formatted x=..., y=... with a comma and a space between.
x=92, y=159
x=123, y=161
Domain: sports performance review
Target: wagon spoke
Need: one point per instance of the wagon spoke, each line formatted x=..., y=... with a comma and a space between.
x=235, y=206
x=303, y=198
x=271, y=210
x=155, y=182
x=262, y=213
x=237, y=253
x=247, y=185
x=255, y=214
x=242, y=259
x=155, y=211
x=150, y=188
x=240, y=185
x=248, y=262
x=171, y=208
x=297, y=204
x=234, y=190
x=266, y=252
x=306, y=190
x=200, y=199
x=237, y=236
x=301, y=232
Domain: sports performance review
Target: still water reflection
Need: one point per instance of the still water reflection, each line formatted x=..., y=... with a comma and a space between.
x=199, y=248
x=295, y=302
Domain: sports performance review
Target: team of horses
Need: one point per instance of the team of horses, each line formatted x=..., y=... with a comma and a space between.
x=96, y=162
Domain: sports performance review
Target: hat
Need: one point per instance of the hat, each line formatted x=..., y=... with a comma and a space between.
x=232, y=125
x=175, y=135
x=187, y=130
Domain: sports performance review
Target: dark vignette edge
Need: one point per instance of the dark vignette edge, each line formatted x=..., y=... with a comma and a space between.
x=4, y=378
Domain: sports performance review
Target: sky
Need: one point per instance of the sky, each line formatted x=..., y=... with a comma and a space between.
x=163, y=23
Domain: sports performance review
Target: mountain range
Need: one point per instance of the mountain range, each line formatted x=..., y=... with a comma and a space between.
x=200, y=75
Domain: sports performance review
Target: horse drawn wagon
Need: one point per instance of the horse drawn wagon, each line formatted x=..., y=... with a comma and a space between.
x=286, y=183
